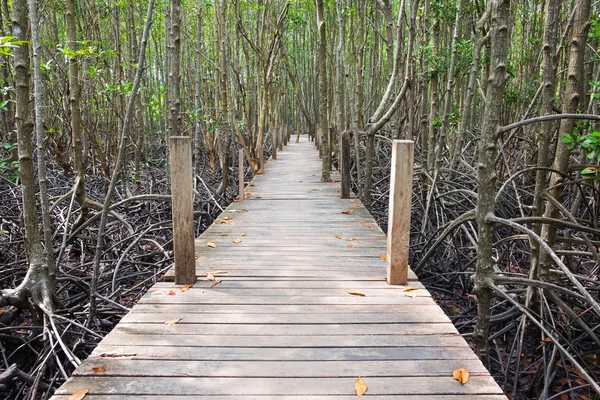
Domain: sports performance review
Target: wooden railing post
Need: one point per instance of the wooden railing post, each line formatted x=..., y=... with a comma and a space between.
x=274, y=144
x=345, y=164
x=399, y=212
x=241, y=174
x=180, y=162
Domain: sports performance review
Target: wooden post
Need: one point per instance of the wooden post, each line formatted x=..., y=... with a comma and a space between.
x=274, y=144
x=180, y=162
x=399, y=212
x=241, y=174
x=345, y=164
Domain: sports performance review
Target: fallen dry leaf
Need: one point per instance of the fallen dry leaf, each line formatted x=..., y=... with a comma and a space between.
x=348, y=212
x=409, y=289
x=196, y=257
x=172, y=321
x=78, y=395
x=352, y=239
x=368, y=226
x=412, y=294
x=210, y=277
x=99, y=369
x=237, y=241
x=215, y=283
x=243, y=234
x=383, y=256
x=227, y=218
x=213, y=273
x=360, y=387
x=171, y=293
x=211, y=245
x=350, y=246
x=546, y=340
x=337, y=236
x=356, y=293
x=461, y=375
x=185, y=288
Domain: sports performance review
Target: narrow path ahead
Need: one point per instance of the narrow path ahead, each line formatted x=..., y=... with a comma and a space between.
x=281, y=323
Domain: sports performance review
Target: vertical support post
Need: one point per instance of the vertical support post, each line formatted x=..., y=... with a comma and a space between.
x=345, y=164
x=399, y=212
x=274, y=144
x=241, y=174
x=180, y=162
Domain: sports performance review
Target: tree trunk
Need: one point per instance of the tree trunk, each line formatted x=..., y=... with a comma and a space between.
x=486, y=172
x=323, y=89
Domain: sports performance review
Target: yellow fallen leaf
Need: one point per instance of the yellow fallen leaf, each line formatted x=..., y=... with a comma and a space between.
x=350, y=246
x=348, y=212
x=237, y=241
x=172, y=321
x=78, y=395
x=185, y=288
x=210, y=277
x=355, y=293
x=368, y=226
x=227, y=218
x=213, y=273
x=352, y=239
x=360, y=387
x=215, y=283
x=461, y=375
x=337, y=236
x=99, y=369
x=383, y=256
x=211, y=245
x=409, y=289
x=243, y=234
x=412, y=294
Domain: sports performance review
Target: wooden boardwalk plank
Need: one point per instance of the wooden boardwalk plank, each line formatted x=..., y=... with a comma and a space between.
x=282, y=324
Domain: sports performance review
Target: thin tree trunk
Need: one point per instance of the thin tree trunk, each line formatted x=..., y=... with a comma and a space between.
x=486, y=172
x=323, y=89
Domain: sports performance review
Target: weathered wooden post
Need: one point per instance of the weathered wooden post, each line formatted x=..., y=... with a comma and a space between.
x=274, y=144
x=241, y=174
x=399, y=212
x=180, y=161
x=345, y=164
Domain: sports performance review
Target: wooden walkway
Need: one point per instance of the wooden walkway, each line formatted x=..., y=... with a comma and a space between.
x=282, y=324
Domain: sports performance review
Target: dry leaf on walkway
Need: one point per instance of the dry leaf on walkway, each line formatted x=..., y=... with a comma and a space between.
x=211, y=245
x=337, y=236
x=185, y=288
x=215, y=283
x=368, y=226
x=210, y=277
x=243, y=234
x=360, y=387
x=237, y=241
x=356, y=293
x=99, y=369
x=461, y=375
x=172, y=321
x=78, y=395
x=350, y=246
x=213, y=273
x=352, y=239
x=409, y=289
x=383, y=256
x=348, y=212
x=171, y=293
x=227, y=218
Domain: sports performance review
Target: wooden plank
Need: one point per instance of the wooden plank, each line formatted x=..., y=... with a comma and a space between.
x=211, y=299
x=279, y=386
x=292, y=330
x=279, y=309
x=187, y=397
x=300, y=319
x=297, y=369
x=259, y=341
